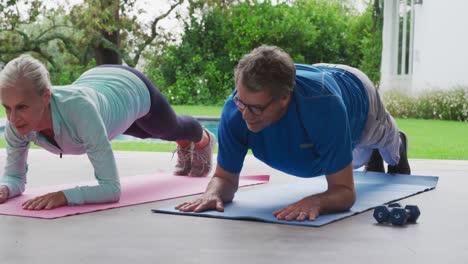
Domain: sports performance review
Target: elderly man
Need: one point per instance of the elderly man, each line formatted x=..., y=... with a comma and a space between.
x=304, y=120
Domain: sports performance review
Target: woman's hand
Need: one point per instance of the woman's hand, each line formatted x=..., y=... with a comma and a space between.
x=48, y=201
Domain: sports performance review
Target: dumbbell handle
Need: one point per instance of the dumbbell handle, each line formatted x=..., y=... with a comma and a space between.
x=395, y=217
x=382, y=213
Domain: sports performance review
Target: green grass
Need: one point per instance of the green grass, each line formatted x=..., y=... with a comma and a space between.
x=193, y=110
x=428, y=139
x=145, y=146
x=436, y=139
x=196, y=110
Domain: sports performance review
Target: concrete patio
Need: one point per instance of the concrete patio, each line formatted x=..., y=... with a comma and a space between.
x=135, y=235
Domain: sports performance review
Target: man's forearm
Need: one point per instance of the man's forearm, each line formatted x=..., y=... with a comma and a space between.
x=335, y=200
x=222, y=187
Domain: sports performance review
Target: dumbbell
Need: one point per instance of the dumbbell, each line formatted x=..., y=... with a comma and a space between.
x=382, y=212
x=400, y=216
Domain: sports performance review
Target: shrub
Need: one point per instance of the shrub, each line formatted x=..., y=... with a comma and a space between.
x=433, y=104
x=199, y=69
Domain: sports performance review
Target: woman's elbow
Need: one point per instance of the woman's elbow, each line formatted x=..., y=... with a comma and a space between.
x=115, y=193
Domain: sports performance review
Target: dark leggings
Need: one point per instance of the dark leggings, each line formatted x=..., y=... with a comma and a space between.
x=161, y=121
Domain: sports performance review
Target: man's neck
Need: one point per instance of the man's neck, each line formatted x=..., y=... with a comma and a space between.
x=284, y=110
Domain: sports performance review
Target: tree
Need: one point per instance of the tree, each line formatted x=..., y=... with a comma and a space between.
x=371, y=24
x=18, y=33
x=107, y=31
x=200, y=68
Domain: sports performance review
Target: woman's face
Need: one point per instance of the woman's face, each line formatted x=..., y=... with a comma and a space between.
x=24, y=107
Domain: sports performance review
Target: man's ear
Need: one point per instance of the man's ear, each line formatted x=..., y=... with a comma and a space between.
x=284, y=100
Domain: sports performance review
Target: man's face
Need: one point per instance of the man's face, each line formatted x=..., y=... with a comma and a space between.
x=24, y=106
x=260, y=109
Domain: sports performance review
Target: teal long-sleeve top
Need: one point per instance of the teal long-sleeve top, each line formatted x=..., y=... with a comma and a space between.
x=86, y=115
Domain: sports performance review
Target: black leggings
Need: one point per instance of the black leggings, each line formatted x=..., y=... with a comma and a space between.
x=161, y=121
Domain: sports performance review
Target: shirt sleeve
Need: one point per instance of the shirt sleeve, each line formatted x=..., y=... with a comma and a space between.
x=92, y=133
x=17, y=148
x=232, y=139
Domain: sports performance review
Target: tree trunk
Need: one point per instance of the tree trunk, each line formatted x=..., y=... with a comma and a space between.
x=102, y=54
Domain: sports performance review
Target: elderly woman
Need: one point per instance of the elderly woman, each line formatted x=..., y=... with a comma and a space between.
x=84, y=117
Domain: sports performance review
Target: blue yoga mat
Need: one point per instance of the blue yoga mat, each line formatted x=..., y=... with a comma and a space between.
x=373, y=189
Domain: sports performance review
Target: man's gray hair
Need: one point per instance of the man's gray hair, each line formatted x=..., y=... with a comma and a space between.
x=28, y=67
x=266, y=67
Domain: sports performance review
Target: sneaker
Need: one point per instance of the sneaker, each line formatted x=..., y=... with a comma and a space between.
x=184, y=159
x=202, y=160
x=403, y=166
x=375, y=162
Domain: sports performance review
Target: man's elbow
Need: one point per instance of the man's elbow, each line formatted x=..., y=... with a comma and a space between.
x=350, y=198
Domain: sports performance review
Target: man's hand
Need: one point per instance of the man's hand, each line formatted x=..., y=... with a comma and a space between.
x=307, y=208
x=48, y=201
x=339, y=196
x=4, y=193
x=221, y=188
x=206, y=202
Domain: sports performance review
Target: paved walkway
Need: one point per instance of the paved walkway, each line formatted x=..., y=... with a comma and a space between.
x=134, y=235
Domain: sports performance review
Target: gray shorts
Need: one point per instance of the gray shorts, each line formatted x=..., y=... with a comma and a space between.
x=380, y=131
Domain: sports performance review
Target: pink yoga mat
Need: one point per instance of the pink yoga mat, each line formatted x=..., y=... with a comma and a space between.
x=135, y=190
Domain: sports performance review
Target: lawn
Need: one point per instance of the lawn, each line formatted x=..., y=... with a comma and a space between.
x=436, y=139
x=428, y=139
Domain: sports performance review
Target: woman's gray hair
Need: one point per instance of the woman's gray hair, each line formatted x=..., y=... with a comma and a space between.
x=266, y=67
x=28, y=67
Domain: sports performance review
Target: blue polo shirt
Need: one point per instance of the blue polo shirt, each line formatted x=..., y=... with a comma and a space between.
x=316, y=135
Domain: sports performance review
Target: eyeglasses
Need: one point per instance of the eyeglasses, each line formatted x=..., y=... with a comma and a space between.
x=254, y=109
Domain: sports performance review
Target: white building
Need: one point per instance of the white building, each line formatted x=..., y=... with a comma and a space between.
x=433, y=35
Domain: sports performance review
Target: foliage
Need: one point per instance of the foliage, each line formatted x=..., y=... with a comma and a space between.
x=436, y=104
x=67, y=73
x=370, y=24
x=81, y=34
x=199, y=69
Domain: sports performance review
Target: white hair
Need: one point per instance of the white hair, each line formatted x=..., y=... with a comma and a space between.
x=27, y=67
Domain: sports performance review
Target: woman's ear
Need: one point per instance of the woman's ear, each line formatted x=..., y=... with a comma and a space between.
x=46, y=96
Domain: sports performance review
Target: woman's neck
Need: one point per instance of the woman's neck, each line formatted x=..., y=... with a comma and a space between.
x=46, y=125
